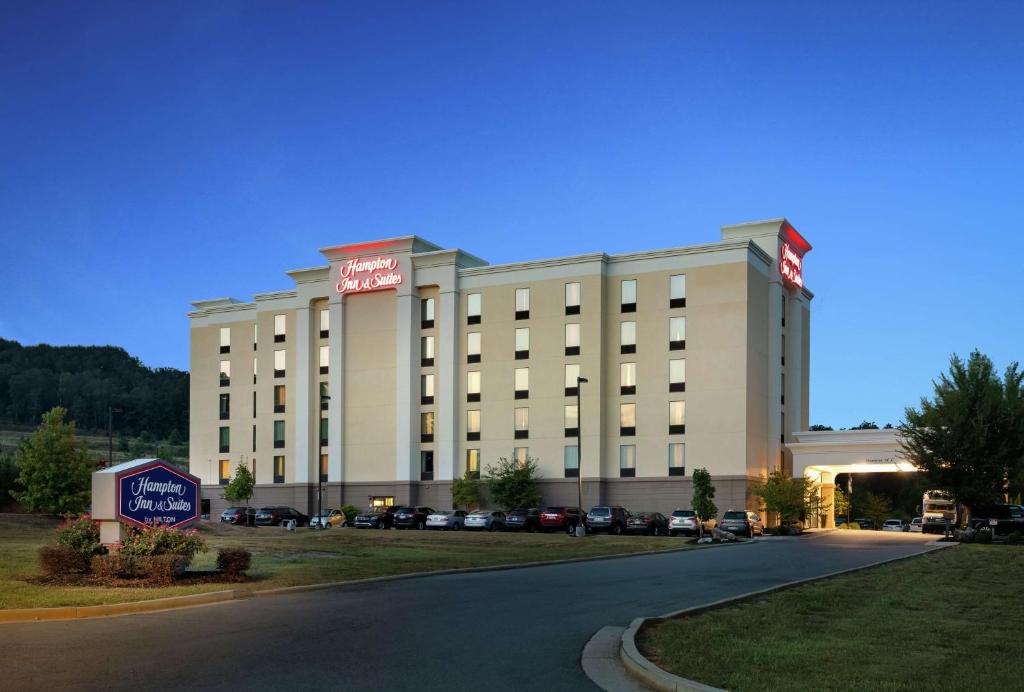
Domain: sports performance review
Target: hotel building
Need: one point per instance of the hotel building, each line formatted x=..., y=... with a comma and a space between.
x=399, y=365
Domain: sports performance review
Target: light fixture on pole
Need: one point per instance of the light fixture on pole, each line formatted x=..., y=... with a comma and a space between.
x=581, y=530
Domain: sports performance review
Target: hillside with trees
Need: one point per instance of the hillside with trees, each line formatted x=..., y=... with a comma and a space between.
x=85, y=380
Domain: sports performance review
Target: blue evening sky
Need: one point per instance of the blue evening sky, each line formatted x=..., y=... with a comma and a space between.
x=156, y=153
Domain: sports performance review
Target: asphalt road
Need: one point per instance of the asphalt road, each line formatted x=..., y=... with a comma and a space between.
x=507, y=630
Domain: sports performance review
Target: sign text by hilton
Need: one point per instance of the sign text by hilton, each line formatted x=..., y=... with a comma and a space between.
x=791, y=265
x=368, y=274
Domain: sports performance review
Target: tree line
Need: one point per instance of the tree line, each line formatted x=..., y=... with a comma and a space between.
x=85, y=380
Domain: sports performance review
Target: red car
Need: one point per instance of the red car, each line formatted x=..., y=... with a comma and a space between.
x=559, y=519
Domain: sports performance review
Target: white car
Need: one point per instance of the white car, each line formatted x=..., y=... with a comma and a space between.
x=485, y=519
x=445, y=519
x=893, y=525
x=915, y=525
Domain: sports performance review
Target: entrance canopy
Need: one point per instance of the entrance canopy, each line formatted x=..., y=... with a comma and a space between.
x=821, y=455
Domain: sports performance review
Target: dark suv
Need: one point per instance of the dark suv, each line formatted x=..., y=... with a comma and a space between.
x=275, y=516
x=560, y=519
x=610, y=519
x=376, y=518
x=523, y=520
x=242, y=516
x=412, y=517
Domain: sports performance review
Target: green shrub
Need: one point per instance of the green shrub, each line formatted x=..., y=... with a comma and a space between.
x=851, y=526
x=161, y=570
x=160, y=539
x=58, y=561
x=81, y=535
x=233, y=562
x=118, y=566
x=350, y=512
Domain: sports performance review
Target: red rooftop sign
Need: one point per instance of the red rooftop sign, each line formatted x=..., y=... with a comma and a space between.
x=364, y=274
x=791, y=265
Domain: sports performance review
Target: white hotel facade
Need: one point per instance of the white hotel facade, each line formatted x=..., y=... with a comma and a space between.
x=396, y=366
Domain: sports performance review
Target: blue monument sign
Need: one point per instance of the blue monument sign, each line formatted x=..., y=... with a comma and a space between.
x=156, y=492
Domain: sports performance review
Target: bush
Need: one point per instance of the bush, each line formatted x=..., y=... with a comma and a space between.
x=350, y=512
x=160, y=539
x=983, y=536
x=118, y=566
x=162, y=569
x=233, y=562
x=851, y=526
x=81, y=535
x=62, y=560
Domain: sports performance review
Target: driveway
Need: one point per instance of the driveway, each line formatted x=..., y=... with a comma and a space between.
x=507, y=630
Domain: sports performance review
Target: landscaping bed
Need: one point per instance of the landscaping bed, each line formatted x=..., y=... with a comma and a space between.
x=947, y=620
x=282, y=558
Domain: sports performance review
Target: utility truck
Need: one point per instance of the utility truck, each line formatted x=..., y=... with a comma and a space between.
x=936, y=508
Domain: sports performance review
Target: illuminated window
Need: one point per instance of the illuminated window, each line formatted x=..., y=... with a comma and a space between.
x=225, y=340
x=572, y=420
x=627, y=378
x=627, y=337
x=472, y=425
x=677, y=375
x=325, y=323
x=255, y=334
x=676, y=417
x=522, y=383
x=426, y=389
x=522, y=303
x=572, y=373
x=427, y=426
x=473, y=347
x=278, y=434
x=279, y=328
x=325, y=398
x=323, y=468
x=676, y=333
x=279, y=469
x=572, y=461
x=255, y=369
x=629, y=295
x=325, y=359
x=676, y=459
x=427, y=313
x=627, y=461
x=473, y=462
x=677, y=291
x=522, y=423
x=381, y=501
x=522, y=343
x=224, y=467
x=225, y=406
x=521, y=455
x=572, y=339
x=473, y=385
x=572, y=298
x=225, y=373
x=279, y=363
x=426, y=351
x=279, y=398
x=627, y=419
x=473, y=308
x=225, y=440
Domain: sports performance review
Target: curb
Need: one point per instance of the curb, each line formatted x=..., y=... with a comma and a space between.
x=650, y=674
x=213, y=597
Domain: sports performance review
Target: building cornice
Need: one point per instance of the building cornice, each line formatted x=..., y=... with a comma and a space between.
x=275, y=295
x=310, y=274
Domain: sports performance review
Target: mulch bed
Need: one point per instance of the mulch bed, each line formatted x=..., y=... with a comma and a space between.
x=187, y=579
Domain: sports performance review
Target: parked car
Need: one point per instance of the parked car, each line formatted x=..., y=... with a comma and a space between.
x=915, y=525
x=523, y=520
x=560, y=519
x=742, y=523
x=607, y=518
x=412, y=517
x=485, y=519
x=447, y=519
x=651, y=523
x=684, y=521
x=244, y=516
x=376, y=518
x=327, y=518
x=894, y=525
x=866, y=524
x=983, y=515
x=276, y=516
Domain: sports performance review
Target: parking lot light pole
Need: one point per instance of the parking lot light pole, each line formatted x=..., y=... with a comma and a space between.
x=581, y=530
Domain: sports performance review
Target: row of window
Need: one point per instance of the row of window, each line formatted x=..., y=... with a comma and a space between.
x=627, y=299
x=279, y=365
x=280, y=331
x=224, y=404
x=521, y=421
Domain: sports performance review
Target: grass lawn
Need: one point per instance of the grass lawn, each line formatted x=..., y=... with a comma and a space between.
x=281, y=558
x=949, y=620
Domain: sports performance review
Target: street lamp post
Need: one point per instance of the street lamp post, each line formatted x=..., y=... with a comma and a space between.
x=581, y=530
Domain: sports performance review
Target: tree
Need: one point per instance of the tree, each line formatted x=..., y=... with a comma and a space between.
x=820, y=427
x=54, y=468
x=785, y=496
x=8, y=477
x=703, y=498
x=969, y=439
x=866, y=425
x=466, y=490
x=841, y=502
x=512, y=484
x=874, y=507
x=241, y=486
